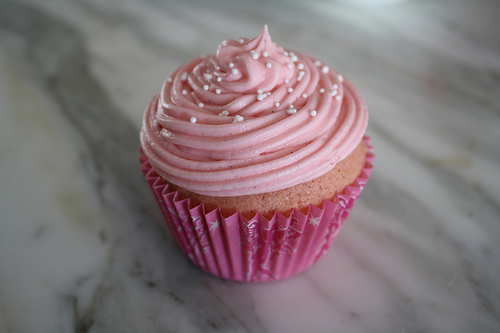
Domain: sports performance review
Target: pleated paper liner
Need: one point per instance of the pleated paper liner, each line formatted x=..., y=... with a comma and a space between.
x=259, y=249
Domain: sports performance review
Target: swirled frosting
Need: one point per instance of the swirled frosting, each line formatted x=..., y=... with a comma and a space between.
x=251, y=118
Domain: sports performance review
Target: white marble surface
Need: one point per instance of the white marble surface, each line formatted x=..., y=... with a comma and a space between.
x=82, y=246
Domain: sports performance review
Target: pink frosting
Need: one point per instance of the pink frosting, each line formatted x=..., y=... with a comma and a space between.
x=251, y=118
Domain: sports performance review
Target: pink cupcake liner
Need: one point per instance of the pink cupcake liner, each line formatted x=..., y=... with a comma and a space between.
x=259, y=249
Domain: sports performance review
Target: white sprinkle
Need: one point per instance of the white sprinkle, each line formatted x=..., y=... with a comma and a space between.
x=300, y=66
x=325, y=69
x=167, y=134
x=169, y=79
x=337, y=97
x=237, y=118
x=294, y=57
x=290, y=106
x=317, y=63
x=301, y=75
x=205, y=87
x=184, y=92
x=313, y=113
x=285, y=53
x=268, y=65
x=322, y=90
x=268, y=93
x=219, y=79
x=290, y=89
x=291, y=111
x=224, y=113
x=335, y=86
x=334, y=92
x=218, y=91
x=287, y=80
x=260, y=97
x=231, y=65
x=201, y=105
x=341, y=78
x=207, y=76
x=192, y=120
x=259, y=91
x=277, y=104
x=254, y=54
x=265, y=54
x=234, y=71
x=184, y=76
x=241, y=40
x=289, y=65
x=304, y=95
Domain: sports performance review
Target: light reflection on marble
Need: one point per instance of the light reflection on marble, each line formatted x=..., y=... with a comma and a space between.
x=82, y=245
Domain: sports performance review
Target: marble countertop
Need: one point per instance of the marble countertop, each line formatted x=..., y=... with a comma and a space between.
x=82, y=244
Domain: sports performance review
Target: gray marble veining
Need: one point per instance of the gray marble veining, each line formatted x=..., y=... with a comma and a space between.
x=82, y=243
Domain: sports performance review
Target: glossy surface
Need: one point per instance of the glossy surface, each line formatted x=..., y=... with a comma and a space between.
x=81, y=243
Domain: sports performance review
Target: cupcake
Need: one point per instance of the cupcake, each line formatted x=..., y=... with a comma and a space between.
x=255, y=155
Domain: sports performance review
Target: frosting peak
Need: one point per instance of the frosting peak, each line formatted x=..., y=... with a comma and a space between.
x=245, y=66
x=251, y=118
